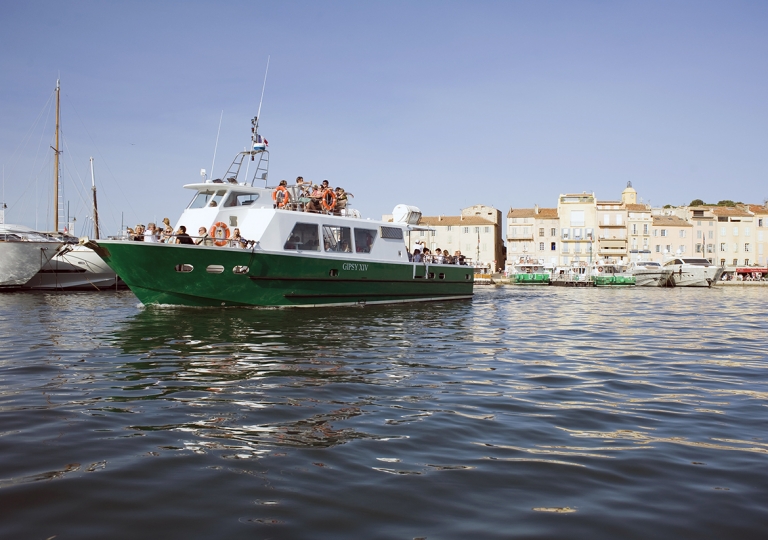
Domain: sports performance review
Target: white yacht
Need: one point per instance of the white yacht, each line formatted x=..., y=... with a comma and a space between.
x=74, y=267
x=650, y=274
x=692, y=272
x=23, y=252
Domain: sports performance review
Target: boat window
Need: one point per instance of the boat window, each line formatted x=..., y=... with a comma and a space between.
x=217, y=198
x=394, y=233
x=364, y=239
x=337, y=239
x=303, y=237
x=241, y=199
x=240, y=270
x=184, y=268
x=214, y=269
x=202, y=198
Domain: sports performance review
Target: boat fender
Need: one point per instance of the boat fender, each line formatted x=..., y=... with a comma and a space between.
x=328, y=200
x=219, y=240
x=286, y=196
x=599, y=268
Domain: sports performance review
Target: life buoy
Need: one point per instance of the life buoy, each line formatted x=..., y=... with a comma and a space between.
x=328, y=193
x=599, y=268
x=285, y=199
x=219, y=240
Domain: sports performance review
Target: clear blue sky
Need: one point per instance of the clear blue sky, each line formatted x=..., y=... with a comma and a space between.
x=436, y=104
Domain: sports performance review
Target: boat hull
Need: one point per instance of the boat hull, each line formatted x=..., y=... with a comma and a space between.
x=653, y=278
x=614, y=281
x=531, y=279
x=19, y=261
x=201, y=276
x=695, y=276
x=74, y=268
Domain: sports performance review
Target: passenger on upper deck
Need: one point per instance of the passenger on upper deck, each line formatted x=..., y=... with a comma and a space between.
x=139, y=234
x=314, y=200
x=416, y=255
x=152, y=234
x=167, y=235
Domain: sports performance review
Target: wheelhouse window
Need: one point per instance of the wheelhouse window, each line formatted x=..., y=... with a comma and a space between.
x=364, y=239
x=202, y=198
x=303, y=237
x=395, y=233
x=240, y=199
x=337, y=239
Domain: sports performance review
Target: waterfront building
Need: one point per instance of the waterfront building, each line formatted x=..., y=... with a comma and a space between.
x=760, y=213
x=612, y=230
x=733, y=234
x=704, y=221
x=476, y=232
x=578, y=219
x=671, y=236
x=532, y=233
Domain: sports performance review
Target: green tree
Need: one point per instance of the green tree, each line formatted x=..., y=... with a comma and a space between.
x=697, y=202
x=726, y=202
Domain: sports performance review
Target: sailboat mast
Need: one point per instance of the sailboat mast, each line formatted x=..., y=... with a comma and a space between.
x=95, y=208
x=56, y=164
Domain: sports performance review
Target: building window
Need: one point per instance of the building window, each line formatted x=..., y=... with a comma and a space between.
x=682, y=233
x=735, y=262
x=589, y=234
x=449, y=228
x=699, y=248
x=735, y=231
x=746, y=248
x=477, y=229
x=722, y=262
x=746, y=262
x=466, y=229
x=663, y=232
x=735, y=247
x=645, y=244
x=723, y=231
x=668, y=249
x=553, y=232
x=655, y=232
x=658, y=248
x=421, y=233
x=682, y=248
x=541, y=231
x=634, y=228
x=698, y=234
x=566, y=234
x=487, y=229
x=432, y=233
x=645, y=228
x=760, y=222
x=710, y=248
x=553, y=246
x=711, y=235
x=722, y=247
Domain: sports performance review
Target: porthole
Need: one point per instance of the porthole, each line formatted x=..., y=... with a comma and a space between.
x=334, y=272
x=240, y=270
x=466, y=276
x=441, y=275
x=214, y=269
x=431, y=275
x=184, y=268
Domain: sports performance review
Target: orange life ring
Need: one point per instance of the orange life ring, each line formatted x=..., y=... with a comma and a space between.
x=215, y=228
x=324, y=200
x=599, y=268
x=286, y=196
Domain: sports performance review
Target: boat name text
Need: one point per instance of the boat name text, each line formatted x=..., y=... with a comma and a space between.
x=355, y=266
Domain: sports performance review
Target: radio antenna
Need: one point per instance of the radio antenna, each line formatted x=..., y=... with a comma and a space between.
x=216, y=146
x=258, y=114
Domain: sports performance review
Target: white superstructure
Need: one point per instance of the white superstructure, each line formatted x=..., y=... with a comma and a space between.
x=693, y=272
x=23, y=252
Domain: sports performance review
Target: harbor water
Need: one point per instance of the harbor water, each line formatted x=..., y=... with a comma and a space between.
x=525, y=413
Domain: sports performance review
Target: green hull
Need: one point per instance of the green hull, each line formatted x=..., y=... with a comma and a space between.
x=151, y=272
x=613, y=281
x=532, y=279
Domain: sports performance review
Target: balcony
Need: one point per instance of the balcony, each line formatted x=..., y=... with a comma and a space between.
x=520, y=236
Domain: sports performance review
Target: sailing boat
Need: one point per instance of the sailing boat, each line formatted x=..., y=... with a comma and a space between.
x=64, y=265
x=23, y=251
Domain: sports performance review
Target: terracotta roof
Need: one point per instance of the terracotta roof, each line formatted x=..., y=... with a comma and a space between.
x=729, y=211
x=670, y=221
x=544, y=213
x=758, y=209
x=638, y=207
x=444, y=221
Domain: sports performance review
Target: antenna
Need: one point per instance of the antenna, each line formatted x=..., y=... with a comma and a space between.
x=216, y=146
x=258, y=114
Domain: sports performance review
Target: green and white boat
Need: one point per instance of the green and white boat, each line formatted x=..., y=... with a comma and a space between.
x=292, y=258
x=531, y=272
x=606, y=274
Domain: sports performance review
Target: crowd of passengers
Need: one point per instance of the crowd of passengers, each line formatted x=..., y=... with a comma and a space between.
x=440, y=256
x=165, y=235
x=309, y=197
